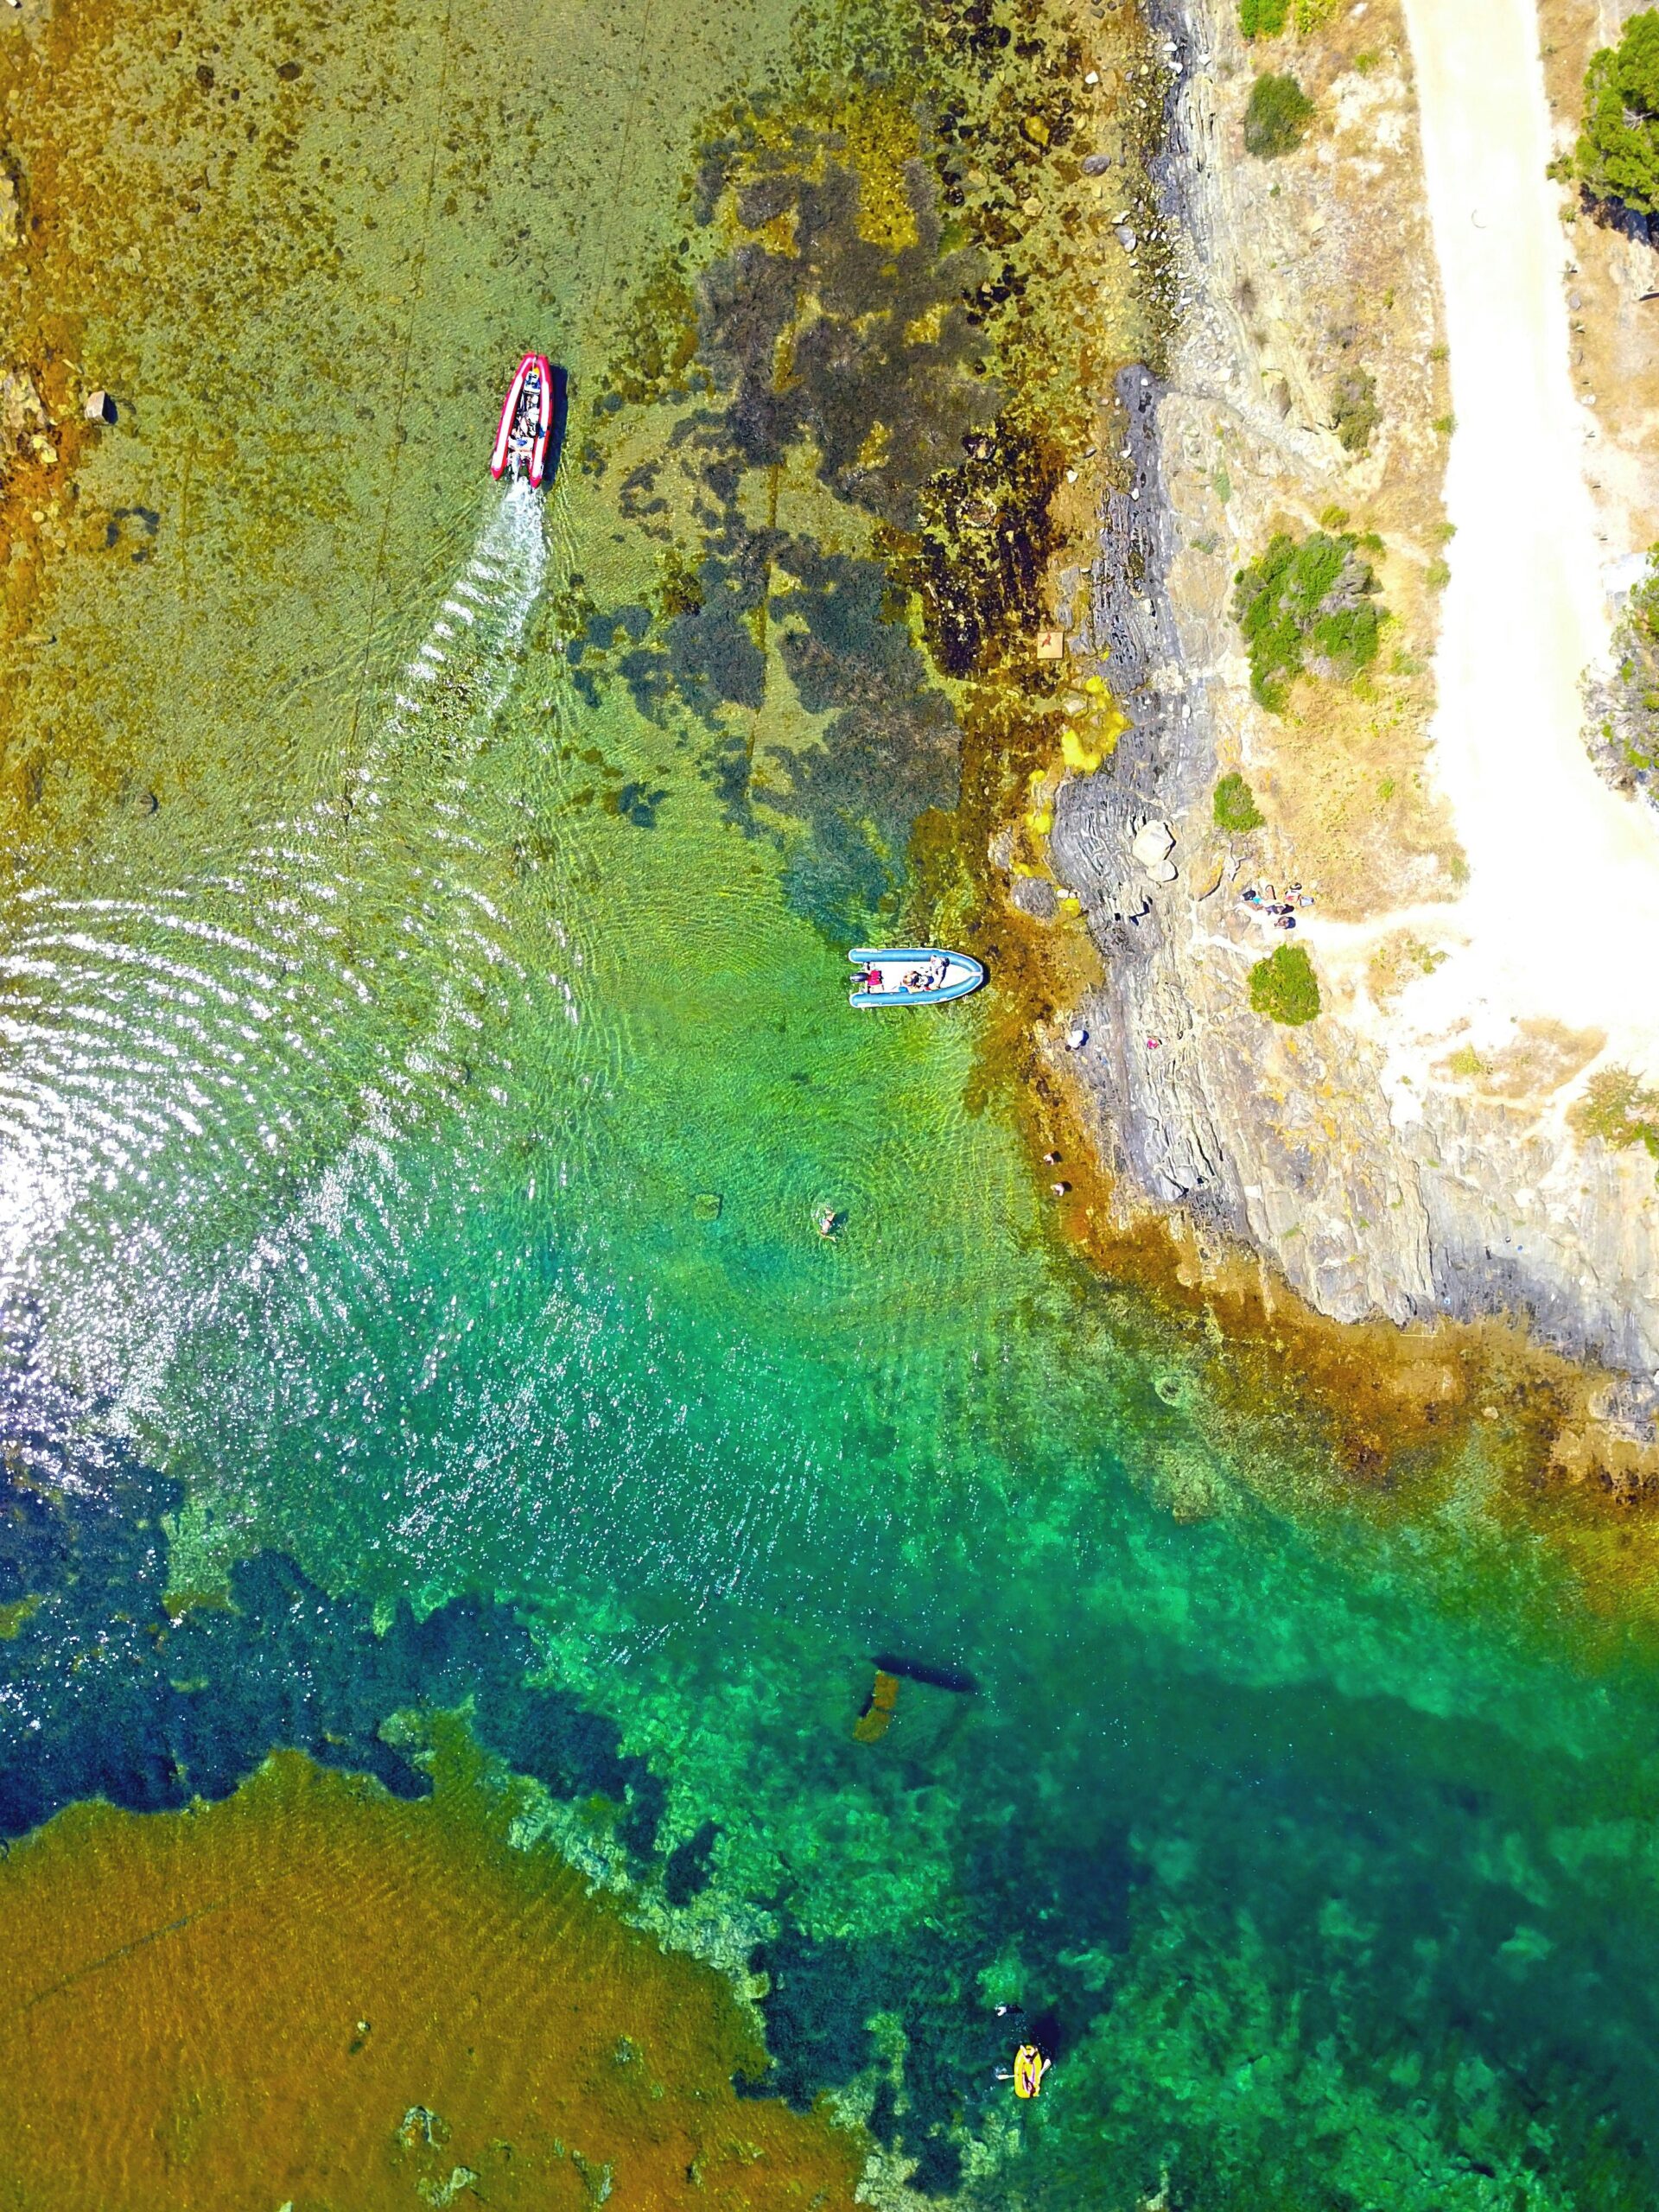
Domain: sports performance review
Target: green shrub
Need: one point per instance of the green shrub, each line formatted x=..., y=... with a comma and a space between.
x=1278, y=114
x=1354, y=411
x=1618, y=153
x=1235, y=807
x=1643, y=608
x=1285, y=987
x=1262, y=18
x=1628, y=726
x=1305, y=609
x=1619, y=1109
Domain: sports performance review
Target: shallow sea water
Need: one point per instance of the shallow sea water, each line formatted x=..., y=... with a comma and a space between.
x=411, y=1128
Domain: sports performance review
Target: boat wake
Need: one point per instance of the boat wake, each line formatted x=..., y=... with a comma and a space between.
x=227, y=1063
x=452, y=688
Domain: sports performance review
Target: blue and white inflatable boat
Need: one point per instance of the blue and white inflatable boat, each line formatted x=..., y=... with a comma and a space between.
x=913, y=977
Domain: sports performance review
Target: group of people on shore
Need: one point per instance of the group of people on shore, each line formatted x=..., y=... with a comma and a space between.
x=1279, y=913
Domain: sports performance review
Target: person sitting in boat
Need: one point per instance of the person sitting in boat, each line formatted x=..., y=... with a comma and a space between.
x=1030, y=2064
x=934, y=973
x=914, y=979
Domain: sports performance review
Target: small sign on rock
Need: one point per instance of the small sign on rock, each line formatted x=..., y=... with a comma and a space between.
x=1050, y=644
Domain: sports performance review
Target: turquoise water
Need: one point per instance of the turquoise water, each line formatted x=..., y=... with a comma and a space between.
x=412, y=1126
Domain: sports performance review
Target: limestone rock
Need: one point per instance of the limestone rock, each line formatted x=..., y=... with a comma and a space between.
x=99, y=407
x=1209, y=881
x=21, y=409
x=1036, y=896
x=1372, y=1198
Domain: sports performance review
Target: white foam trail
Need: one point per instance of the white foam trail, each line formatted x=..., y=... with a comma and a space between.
x=138, y=1036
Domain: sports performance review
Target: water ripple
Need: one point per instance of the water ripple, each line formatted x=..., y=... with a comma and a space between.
x=272, y=1026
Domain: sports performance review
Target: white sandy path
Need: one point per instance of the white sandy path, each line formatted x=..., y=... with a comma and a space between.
x=1561, y=913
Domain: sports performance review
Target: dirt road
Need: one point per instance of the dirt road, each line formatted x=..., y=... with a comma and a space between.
x=1562, y=909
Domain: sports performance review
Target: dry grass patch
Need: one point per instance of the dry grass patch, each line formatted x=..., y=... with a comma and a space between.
x=1341, y=312
x=1400, y=960
x=1545, y=1057
x=1542, y=1058
x=1349, y=791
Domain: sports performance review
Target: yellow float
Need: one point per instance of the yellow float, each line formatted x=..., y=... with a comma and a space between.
x=1029, y=2068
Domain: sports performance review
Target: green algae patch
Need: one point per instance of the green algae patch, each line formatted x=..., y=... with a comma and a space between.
x=1198, y=2016
x=16, y=1615
x=847, y=399
x=312, y=1992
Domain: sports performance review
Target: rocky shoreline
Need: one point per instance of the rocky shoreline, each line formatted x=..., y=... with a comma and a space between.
x=1372, y=1194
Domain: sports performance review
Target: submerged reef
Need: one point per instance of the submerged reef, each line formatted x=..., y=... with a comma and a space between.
x=855, y=355
x=117, y=1688
x=1217, y=1942
x=840, y=413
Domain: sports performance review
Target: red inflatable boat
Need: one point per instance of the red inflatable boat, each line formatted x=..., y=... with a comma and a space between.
x=526, y=422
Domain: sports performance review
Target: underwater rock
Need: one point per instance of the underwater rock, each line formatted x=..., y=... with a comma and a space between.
x=876, y=1718
x=190, y=1699
x=22, y=408
x=1036, y=896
